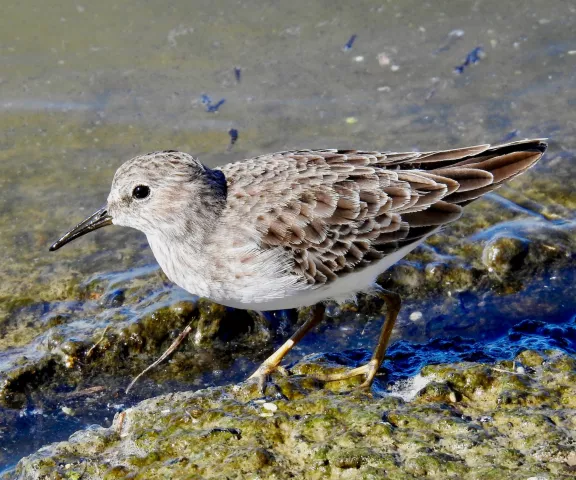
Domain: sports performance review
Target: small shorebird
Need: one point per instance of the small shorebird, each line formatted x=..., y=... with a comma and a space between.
x=294, y=229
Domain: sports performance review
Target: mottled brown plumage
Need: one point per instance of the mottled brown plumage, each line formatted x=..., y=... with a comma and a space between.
x=338, y=211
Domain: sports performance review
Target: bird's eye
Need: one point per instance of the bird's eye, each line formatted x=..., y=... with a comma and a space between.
x=140, y=192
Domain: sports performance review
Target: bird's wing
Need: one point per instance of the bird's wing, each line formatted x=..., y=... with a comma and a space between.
x=339, y=211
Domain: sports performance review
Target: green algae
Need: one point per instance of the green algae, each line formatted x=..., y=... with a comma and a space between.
x=228, y=432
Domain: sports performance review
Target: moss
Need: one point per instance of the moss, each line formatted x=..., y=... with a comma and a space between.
x=360, y=457
x=437, y=466
x=315, y=433
x=117, y=472
x=505, y=254
x=438, y=392
x=12, y=303
x=563, y=363
x=530, y=358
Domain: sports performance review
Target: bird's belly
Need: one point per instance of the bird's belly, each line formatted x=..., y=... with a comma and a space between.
x=341, y=289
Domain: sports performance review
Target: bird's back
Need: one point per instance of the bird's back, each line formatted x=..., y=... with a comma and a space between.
x=338, y=213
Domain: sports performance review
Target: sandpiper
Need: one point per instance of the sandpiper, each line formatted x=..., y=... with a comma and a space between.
x=297, y=228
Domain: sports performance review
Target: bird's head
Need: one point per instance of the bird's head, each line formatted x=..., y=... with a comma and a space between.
x=162, y=193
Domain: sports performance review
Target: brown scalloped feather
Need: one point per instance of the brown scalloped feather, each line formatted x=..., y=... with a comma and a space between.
x=339, y=211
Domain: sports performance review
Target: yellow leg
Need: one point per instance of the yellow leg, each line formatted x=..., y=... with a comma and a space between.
x=393, y=304
x=273, y=361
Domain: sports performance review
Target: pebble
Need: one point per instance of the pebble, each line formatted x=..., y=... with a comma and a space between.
x=270, y=406
x=415, y=316
x=67, y=411
x=383, y=59
x=456, y=33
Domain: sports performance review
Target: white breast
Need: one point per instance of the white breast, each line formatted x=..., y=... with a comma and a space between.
x=340, y=290
x=265, y=282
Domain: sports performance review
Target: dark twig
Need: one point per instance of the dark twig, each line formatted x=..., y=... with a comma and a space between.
x=93, y=347
x=350, y=43
x=167, y=353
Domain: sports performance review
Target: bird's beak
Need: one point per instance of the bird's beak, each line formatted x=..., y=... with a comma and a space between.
x=95, y=221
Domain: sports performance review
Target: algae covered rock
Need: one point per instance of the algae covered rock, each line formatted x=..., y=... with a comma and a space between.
x=455, y=427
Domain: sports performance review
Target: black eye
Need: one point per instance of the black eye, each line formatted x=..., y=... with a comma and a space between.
x=141, y=191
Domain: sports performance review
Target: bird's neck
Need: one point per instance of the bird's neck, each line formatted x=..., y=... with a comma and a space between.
x=184, y=262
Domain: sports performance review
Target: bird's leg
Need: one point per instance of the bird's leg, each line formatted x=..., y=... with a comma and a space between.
x=393, y=304
x=273, y=361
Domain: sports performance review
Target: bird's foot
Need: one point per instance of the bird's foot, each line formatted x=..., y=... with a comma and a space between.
x=272, y=363
x=262, y=376
x=369, y=371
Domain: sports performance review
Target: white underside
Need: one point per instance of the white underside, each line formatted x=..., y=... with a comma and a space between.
x=340, y=290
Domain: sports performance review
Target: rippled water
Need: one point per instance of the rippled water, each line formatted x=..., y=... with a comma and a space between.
x=85, y=86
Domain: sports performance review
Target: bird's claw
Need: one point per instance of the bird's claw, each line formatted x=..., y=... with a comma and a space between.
x=262, y=376
x=367, y=370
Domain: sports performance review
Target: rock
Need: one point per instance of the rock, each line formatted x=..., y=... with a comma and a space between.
x=315, y=433
x=505, y=254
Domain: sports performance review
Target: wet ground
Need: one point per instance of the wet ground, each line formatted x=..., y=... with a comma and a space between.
x=86, y=86
x=465, y=420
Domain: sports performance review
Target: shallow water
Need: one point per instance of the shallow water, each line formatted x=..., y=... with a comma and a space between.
x=86, y=86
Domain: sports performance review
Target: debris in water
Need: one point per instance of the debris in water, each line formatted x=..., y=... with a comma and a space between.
x=349, y=43
x=453, y=36
x=205, y=99
x=233, y=136
x=473, y=57
x=215, y=107
x=383, y=59
x=237, y=74
x=211, y=107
